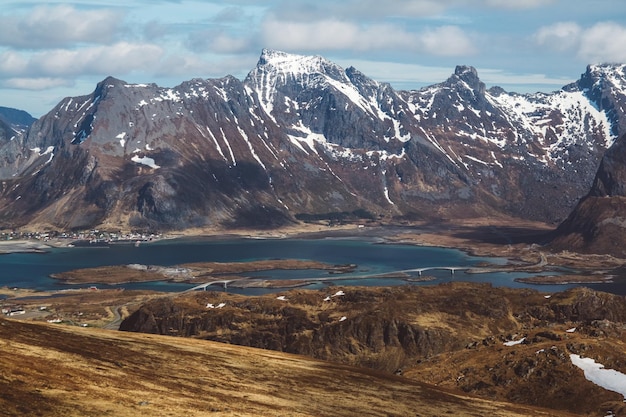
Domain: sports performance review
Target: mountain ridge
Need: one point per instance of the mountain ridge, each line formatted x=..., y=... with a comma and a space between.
x=300, y=136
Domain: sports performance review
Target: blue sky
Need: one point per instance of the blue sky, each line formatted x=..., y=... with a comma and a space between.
x=51, y=50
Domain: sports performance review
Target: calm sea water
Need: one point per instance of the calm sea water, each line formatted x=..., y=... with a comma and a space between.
x=30, y=270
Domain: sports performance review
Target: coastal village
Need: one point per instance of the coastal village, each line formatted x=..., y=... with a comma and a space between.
x=79, y=237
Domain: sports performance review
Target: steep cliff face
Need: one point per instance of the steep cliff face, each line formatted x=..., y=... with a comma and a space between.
x=301, y=136
x=598, y=222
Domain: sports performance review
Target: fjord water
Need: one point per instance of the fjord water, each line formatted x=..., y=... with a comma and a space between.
x=32, y=270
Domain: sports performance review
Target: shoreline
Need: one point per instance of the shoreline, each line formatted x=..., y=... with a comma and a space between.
x=512, y=242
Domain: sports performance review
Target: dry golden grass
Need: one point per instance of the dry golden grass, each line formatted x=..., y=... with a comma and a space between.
x=52, y=370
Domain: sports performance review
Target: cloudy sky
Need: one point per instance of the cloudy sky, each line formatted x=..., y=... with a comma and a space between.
x=50, y=50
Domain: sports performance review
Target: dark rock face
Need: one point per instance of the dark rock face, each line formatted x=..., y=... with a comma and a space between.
x=598, y=222
x=18, y=119
x=610, y=179
x=6, y=132
x=379, y=332
x=300, y=136
x=382, y=328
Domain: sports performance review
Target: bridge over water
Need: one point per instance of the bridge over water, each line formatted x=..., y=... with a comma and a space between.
x=225, y=282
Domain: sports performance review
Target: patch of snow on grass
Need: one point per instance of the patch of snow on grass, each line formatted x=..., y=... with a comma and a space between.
x=514, y=342
x=609, y=379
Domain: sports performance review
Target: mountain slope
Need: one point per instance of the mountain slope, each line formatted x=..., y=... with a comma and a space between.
x=302, y=138
x=55, y=370
x=598, y=222
x=17, y=119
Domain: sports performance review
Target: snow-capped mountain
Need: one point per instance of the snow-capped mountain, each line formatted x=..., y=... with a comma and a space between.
x=302, y=138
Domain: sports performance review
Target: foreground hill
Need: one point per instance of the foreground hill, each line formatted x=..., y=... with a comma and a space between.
x=301, y=138
x=53, y=370
x=452, y=335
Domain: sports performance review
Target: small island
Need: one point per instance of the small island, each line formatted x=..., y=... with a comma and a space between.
x=198, y=273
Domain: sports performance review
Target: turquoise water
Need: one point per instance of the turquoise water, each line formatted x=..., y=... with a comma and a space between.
x=32, y=270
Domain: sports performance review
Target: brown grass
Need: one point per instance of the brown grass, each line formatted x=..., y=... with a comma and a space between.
x=50, y=370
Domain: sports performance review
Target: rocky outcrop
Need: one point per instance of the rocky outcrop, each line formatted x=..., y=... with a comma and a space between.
x=380, y=328
x=498, y=343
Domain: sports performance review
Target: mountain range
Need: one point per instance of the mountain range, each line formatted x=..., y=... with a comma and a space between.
x=301, y=138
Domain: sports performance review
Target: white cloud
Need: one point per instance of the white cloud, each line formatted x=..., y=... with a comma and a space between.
x=119, y=58
x=332, y=34
x=57, y=26
x=193, y=65
x=602, y=42
x=305, y=10
x=519, y=4
x=12, y=63
x=405, y=8
x=559, y=36
x=36, y=83
x=499, y=77
x=219, y=42
x=446, y=41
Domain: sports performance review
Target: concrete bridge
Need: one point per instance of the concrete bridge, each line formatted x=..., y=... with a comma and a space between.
x=225, y=282
x=203, y=287
x=452, y=269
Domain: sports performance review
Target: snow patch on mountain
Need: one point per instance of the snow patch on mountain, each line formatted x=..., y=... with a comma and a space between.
x=540, y=117
x=145, y=161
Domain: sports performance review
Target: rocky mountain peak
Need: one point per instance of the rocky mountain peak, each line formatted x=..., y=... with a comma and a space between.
x=466, y=71
x=295, y=65
x=469, y=75
x=598, y=77
x=107, y=83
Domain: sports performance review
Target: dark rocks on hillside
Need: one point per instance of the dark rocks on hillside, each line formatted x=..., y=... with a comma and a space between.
x=382, y=327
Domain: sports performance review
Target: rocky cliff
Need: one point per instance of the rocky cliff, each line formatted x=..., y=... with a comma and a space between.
x=412, y=330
